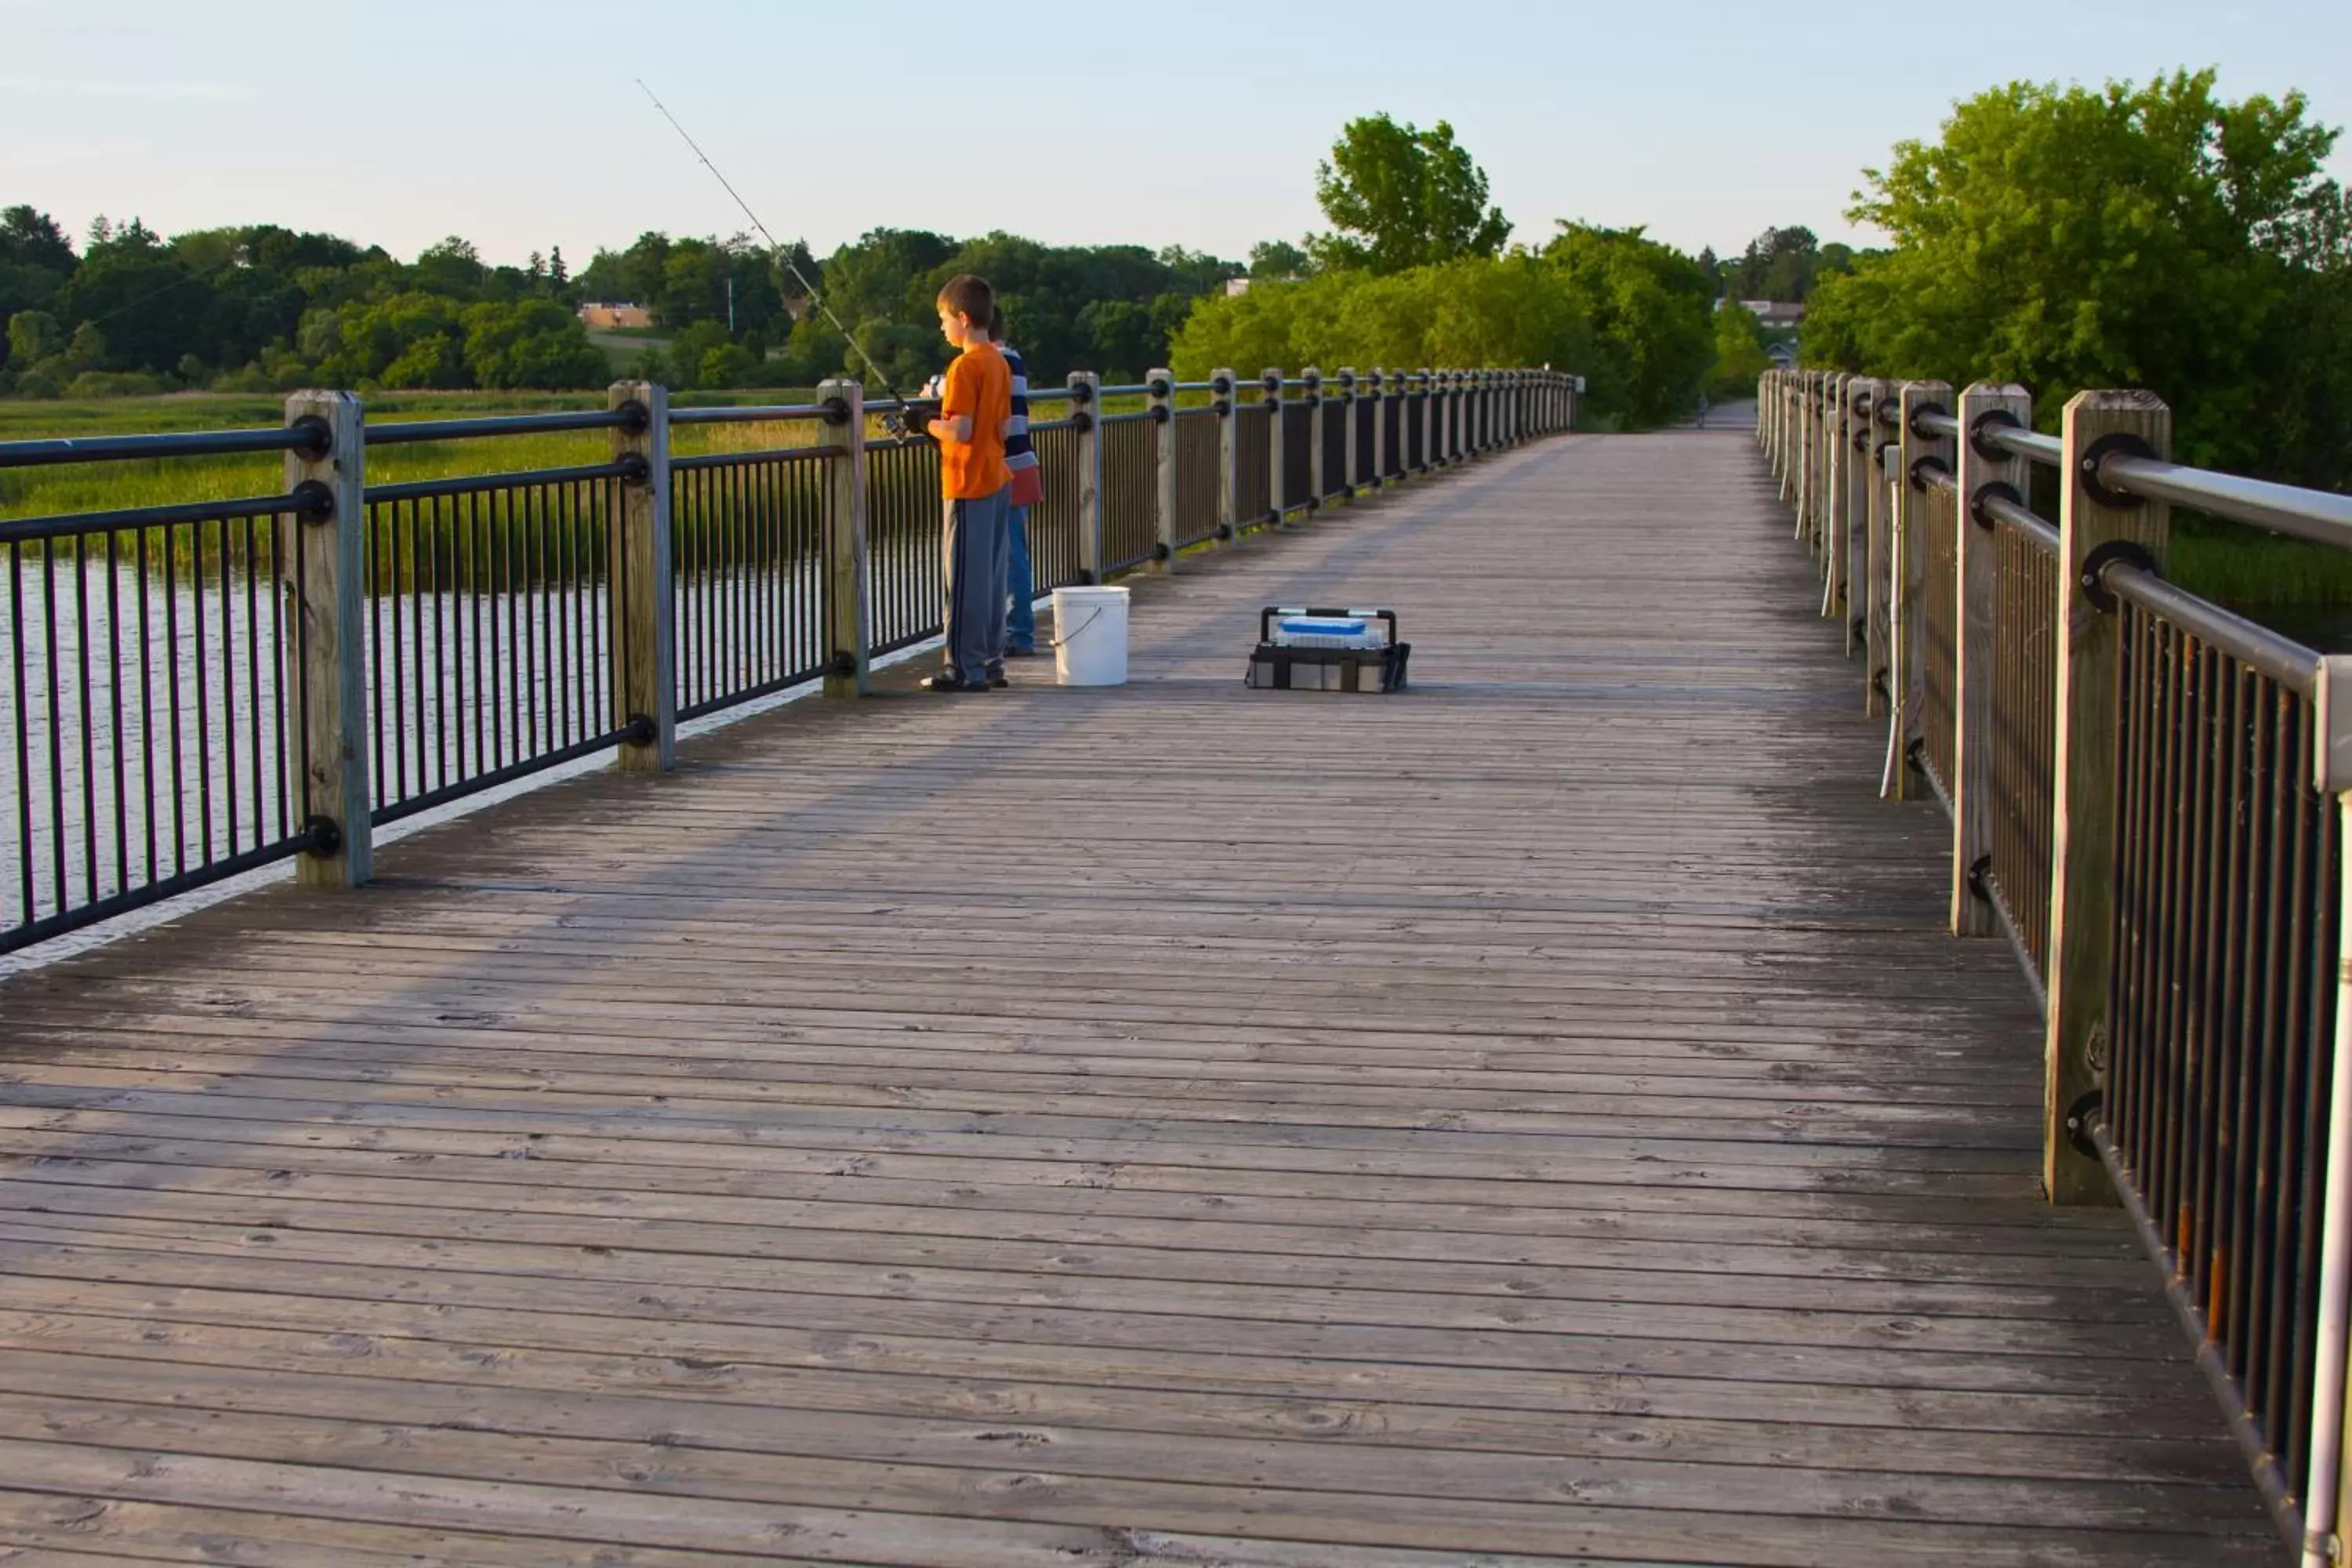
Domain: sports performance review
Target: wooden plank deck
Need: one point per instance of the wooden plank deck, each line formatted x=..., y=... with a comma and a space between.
x=1540, y=1118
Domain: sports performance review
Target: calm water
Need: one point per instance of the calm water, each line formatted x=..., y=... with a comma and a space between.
x=143, y=730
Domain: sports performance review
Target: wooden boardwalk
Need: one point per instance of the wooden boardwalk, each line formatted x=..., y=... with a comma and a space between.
x=1538, y=1118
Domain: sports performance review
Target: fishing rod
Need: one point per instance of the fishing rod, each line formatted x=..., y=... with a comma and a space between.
x=902, y=419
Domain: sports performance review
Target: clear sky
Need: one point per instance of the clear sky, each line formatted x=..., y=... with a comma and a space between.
x=516, y=122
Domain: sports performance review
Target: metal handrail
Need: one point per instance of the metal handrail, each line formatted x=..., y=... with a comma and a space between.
x=2257, y=647
x=749, y=414
x=2031, y=445
x=736, y=459
x=173, y=444
x=408, y=432
x=2034, y=527
x=68, y=525
x=464, y=484
x=2323, y=516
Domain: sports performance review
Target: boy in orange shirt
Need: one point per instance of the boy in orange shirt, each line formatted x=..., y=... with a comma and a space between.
x=975, y=404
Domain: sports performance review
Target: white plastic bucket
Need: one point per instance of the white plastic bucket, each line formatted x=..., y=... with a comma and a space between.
x=1090, y=636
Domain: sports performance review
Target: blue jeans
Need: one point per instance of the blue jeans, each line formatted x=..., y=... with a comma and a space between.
x=1020, y=587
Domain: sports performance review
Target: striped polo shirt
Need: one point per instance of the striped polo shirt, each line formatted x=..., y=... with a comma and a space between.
x=1018, y=452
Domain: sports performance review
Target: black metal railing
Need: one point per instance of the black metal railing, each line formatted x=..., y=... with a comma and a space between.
x=1253, y=464
x=151, y=697
x=1198, y=433
x=1056, y=551
x=2024, y=738
x=489, y=629
x=1939, y=540
x=1298, y=456
x=151, y=703
x=1130, y=490
x=1337, y=410
x=747, y=561
x=2222, y=1023
x=906, y=581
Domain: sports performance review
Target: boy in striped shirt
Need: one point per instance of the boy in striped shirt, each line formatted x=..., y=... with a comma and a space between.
x=1018, y=591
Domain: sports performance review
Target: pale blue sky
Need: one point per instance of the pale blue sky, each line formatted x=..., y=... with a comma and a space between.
x=515, y=123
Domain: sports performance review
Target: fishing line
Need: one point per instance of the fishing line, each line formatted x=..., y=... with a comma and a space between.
x=902, y=418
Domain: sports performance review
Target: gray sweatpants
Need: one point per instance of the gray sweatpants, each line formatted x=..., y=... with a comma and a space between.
x=973, y=546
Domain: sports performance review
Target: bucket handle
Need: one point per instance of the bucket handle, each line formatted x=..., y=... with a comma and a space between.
x=1060, y=641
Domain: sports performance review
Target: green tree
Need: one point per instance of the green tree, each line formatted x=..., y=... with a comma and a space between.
x=1402, y=196
x=533, y=343
x=2145, y=236
x=1648, y=304
x=1739, y=356
x=1277, y=260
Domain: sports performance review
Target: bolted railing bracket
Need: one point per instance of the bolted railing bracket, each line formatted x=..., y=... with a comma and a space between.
x=2079, y=1115
x=323, y=837
x=1997, y=489
x=318, y=437
x=314, y=501
x=1980, y=433
x=2115, y=444
x=2114, y=552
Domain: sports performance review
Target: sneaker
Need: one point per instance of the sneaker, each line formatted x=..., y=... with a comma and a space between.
x=997, y=683
x=946, y=680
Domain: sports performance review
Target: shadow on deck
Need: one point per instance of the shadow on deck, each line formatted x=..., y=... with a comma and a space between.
x=1540, y=1115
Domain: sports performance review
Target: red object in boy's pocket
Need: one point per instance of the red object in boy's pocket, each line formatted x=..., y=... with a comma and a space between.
x=1028, y=487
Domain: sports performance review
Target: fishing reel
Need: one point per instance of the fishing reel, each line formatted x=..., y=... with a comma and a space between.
x=908, y=422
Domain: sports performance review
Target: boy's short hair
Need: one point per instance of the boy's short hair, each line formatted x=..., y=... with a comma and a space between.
x=969, y=296
x=996, y=322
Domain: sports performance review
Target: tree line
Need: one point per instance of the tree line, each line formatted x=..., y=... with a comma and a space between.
x=262, y=307
x=2148, y=235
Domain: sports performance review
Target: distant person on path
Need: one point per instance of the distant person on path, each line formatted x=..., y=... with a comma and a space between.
x=975, y=406
x=1020, y=587
x=1702, y=410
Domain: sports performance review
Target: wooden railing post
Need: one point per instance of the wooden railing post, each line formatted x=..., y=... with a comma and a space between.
x=645, y=692
x=1910, y=500
x=1229, y=455
x=1801, y=457
x=1162, y=386
x=1835, y=524
x=1315, y=413
x=1982, y=468
x=323, y=553
x=1866, y=504
x=848, y=636
x=1377, y=392
x=1350, y=436
x=2092, y=518
x=1278, y=475
x=1085, y=413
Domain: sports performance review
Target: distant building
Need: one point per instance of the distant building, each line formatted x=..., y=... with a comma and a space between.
x=1237, y=286
x=1776, y=316
x=606, y=314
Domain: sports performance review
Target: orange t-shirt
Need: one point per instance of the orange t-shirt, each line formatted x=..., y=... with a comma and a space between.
x=979, y=385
